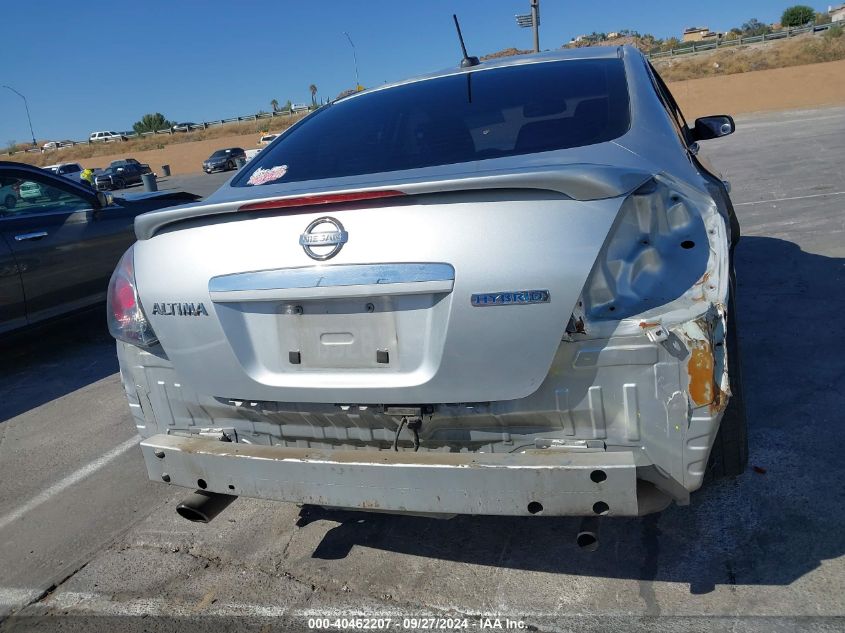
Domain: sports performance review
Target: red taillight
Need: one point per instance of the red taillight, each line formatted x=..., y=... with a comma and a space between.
x=126, y=318
x=123, y=300
x=326, y=198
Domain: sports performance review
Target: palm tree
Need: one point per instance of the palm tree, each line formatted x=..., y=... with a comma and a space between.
x=275, y=105
x=313, y=89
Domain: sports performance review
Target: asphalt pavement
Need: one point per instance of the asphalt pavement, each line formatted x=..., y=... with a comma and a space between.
x=89, y=543
x=201, y=184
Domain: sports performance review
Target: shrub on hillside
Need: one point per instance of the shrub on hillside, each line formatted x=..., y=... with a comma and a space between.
x=834, y=32
x=151, y=123
x=799, y=15
x=754, y=27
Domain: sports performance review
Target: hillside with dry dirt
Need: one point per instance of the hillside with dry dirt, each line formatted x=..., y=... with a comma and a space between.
x=798, y=51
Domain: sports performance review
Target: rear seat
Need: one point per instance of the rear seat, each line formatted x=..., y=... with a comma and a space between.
x=587, y=123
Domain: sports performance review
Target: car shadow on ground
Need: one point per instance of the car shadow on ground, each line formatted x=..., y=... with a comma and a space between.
x=771, y=525
x=50, y=361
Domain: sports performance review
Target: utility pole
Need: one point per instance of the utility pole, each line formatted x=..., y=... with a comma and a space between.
x=25, y=105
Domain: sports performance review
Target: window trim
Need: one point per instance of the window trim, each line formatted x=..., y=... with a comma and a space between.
x=49, y=180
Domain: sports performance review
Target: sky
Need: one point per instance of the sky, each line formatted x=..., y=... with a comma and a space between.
x=100, y=65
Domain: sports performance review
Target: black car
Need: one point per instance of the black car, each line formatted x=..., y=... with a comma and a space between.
x=120, y=174
x=223, y=160
x=57, y=251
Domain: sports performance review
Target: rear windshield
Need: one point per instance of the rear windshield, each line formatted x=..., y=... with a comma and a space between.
x=456, y=119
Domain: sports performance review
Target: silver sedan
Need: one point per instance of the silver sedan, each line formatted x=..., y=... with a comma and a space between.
x=503, y=288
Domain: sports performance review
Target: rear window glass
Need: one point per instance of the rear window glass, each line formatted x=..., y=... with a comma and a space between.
x=457, y=119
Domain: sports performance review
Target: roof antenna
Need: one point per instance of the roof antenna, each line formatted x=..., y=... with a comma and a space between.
x=467, y=61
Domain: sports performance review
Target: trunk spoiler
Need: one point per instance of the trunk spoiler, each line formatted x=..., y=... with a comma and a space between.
x=578, y=182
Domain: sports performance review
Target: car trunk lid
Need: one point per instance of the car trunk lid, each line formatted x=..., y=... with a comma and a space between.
x=421, y=303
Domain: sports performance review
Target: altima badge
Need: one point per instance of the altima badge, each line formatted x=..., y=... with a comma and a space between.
x=179, y=309
x=323, y=238
x=510, y=298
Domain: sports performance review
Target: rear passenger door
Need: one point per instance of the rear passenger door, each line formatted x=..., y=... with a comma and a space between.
x=64, y=246
x=131, y=173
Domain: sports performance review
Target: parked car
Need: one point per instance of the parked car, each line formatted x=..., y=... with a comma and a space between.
x=58, y=250
x=51, y=145
x=72, y=171
x=251, y=153
x=121, y=174
x=519, y=303
x=223, y=160
x=183, y=127
x=266, y=139
x=105, y=137
x=30, y=190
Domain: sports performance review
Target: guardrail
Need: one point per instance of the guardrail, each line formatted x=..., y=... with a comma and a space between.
x=697, y=47
x=193, y=127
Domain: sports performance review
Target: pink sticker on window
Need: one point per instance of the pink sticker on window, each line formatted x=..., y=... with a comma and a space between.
x=262, y=176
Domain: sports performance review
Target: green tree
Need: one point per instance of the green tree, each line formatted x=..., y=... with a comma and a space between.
x=313, y=90
x=151, y=123
x=755, y=27
x=288, y=105
x=648, y=41
x=799, y=15
x=275, y=105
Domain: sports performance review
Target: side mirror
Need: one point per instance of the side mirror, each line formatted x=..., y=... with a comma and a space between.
x=104, y=199
x=708, y=127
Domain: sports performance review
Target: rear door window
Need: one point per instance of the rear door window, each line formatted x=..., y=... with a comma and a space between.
x=471, y=116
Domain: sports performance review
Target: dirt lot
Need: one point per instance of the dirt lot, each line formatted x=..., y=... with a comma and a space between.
x=777, y=89
x=759, y=91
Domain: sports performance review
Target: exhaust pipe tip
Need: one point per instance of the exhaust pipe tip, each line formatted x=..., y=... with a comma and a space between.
x=202, y=506
x=192, y=514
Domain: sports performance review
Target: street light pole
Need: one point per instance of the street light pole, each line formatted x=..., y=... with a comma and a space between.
x=25, y=105
x=535, y=19
x=532, y=20
x=355, y=59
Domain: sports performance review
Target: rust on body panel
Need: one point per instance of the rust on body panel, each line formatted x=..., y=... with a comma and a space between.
x=702, y=387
